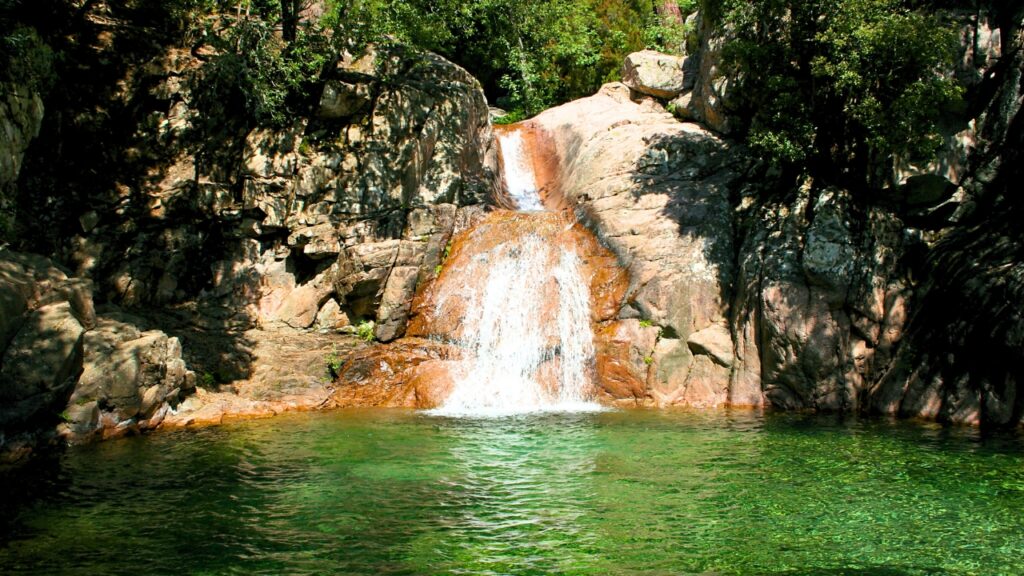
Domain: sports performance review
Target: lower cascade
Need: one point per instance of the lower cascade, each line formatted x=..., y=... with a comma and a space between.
x=526, y=330
x=526, y=313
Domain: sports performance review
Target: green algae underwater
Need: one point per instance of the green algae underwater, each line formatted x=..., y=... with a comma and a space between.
x=615, y=492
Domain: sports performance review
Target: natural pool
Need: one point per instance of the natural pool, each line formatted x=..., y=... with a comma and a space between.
x=623, y=492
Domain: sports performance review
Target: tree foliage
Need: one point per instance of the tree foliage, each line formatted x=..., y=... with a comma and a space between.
x=255, y=69
x=528, y=54
x=840, y=85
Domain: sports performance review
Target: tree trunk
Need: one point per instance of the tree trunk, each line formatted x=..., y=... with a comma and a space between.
x=290, y=19
x=669, y=10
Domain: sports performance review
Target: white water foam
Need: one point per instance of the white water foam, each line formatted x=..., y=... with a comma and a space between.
x=527, y=334
x=525, y=354
x=519, y=176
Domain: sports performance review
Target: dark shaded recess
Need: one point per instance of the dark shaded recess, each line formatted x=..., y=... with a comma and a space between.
x=98, y=150
x=84, y=145
x=305, y=268
x=971, y=317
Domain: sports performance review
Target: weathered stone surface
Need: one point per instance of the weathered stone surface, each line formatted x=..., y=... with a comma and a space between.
x=412, y=372
x=715, y=342
x=653, y=73
x=21, y=116
x=40, y=365
x=17, y=287
x=707, y=101
x=130, y=375
x=343, y=99
x=331, y=317
x=289, y=373
x=624, y=355
x=396, y=301
x=656, y=191
x=270, y=212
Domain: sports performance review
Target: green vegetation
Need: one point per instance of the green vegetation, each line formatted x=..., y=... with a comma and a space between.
x=528, y=54
x=207, y=380
x=267, y=57
x=645, y=323
x=334, y=362
x=268, y=75
x=364, y=330
x=839, y=86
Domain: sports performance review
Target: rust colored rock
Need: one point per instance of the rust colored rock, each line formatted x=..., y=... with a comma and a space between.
x=417, y=371
x=391, y=375
x=616, y=378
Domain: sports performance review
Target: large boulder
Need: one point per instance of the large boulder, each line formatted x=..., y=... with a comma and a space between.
x=40, y=366
x=654, y=74
x=130, y=380
x=45, y=316
x=656, y=191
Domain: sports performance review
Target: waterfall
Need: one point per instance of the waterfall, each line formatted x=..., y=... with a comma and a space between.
x=519, y=176
x=524, y=303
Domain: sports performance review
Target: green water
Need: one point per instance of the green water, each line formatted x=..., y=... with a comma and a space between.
x=631, y=492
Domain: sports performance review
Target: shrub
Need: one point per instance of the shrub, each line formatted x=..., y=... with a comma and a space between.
x=365, y=330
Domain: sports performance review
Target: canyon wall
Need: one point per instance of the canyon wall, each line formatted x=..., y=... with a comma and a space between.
x=809, y=296
x=193, y=237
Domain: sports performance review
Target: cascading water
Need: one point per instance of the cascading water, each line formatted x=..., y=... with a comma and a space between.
x=525, y=310
x=519, y=175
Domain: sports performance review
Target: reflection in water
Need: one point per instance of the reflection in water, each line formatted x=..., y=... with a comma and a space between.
x=519, y=493
x=625, y=492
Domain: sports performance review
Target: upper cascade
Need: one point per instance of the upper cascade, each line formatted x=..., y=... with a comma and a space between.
x=520, y=178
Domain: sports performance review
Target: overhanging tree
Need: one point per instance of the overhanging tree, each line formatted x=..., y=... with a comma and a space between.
x=839, y=87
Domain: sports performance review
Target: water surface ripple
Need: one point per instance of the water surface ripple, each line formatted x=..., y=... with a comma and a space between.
x=625, y=492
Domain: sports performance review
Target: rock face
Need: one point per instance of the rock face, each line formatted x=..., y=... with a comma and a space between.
x=21, y=115
x=808, y=298
x=130, y=381
x=820, y=307
x=656, y=191
x=263, y=227
x=654, y=74
x=208, y=227
x=706, y=92
x=45, y=316
x=420, y=370
x=59, y=360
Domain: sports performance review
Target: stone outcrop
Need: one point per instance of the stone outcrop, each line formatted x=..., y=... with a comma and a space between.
x=745, y=293
x=45, y=316
x=220, y=236
x=21, y=115
x=131, y=380
x=657, y=192
x=59, y=360
x=654, y=74
x=705, y=96
x=264, y=226
x=820, y=307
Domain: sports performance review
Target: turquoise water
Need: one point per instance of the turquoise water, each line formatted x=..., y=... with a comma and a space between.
x=629, y=492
